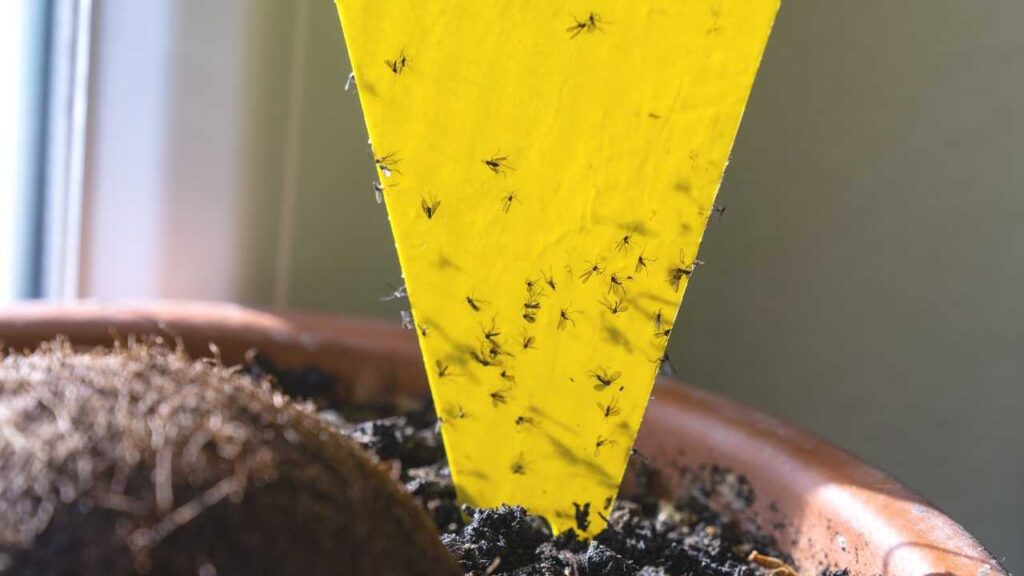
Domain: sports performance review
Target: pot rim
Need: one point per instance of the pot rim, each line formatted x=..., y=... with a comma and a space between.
x=829, y=508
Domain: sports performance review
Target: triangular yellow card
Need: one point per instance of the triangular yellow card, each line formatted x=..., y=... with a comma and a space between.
x=549, y=168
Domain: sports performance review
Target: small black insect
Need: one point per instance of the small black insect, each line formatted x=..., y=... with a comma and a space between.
x=407, y=321
x=617, y=284
x=532, y=304
x=491, y=332
x=611, y=408
x=676, y=275
x=601, y=442
x=387, y=164
x=625, y=244
x=633, y=452
x=549, y=279
x=533, y=290
x=507, y=200
x=508, y=376
x=665, y=367
x=395, y=294
x=475, y=303
x=530, y=316
x=494, y=350
x=484, y=358
x=642, y=262
x=497, y=164
x=519, y=466
x=399, y=64
x=658, y=319
x=581, y=515
x=663, y=333
x=499, y=397
x=442, y=369
x=525, y=421
x=430, y=206
x=456, y=412
x=592, y=269
x=526, y=341
x=614, y=306
x=589, y=24
x=604, y=378
x=424, y=329
x=679, y=272
x=565, y=318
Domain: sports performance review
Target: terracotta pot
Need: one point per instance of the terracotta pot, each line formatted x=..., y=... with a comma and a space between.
x=825, y=507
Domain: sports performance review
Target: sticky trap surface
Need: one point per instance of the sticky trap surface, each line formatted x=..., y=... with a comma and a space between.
x=549, y=169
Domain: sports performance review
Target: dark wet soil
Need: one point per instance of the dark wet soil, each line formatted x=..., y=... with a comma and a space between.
x=645, y=535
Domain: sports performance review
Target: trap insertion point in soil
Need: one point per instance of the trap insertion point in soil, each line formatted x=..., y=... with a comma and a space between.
x=558, y=164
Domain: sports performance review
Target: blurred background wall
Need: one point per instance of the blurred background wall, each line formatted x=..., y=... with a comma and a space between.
x=866, y=282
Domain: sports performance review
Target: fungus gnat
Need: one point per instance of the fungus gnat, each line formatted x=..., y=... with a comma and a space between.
x=387, y=164
x=519, y=466
x=399, y=64
x=494, y=350
x=665, y=367
x=677, y=273
x=617, y=283
x=614, y=306
x=500, y=397
x=604, y=378
x=507, y=200
x=592, y=269
x=625, y=244
x=633, y=452
x=430, y=206
x=658, y=319
x=611, y=408
x=424, y=329
x=663, y=333
x=456, y=412
x=526, y=341
x=549, y=279
x=484, y=358
x=565, y=318
x=525, y=421
x=396, y=293
x=491, y=332
x=508, y=376
x=475, y=303
x=601, y=442
x=407, y=322
x=533, y=291
x=442, y=369
x=589, y=24
x=642, y=262
x=530, y=316
x=497, y=164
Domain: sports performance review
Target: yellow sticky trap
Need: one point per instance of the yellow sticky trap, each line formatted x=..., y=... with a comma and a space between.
x=549, y=168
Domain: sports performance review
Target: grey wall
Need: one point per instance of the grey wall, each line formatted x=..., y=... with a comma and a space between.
x=865, y=282
x=868, y=280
